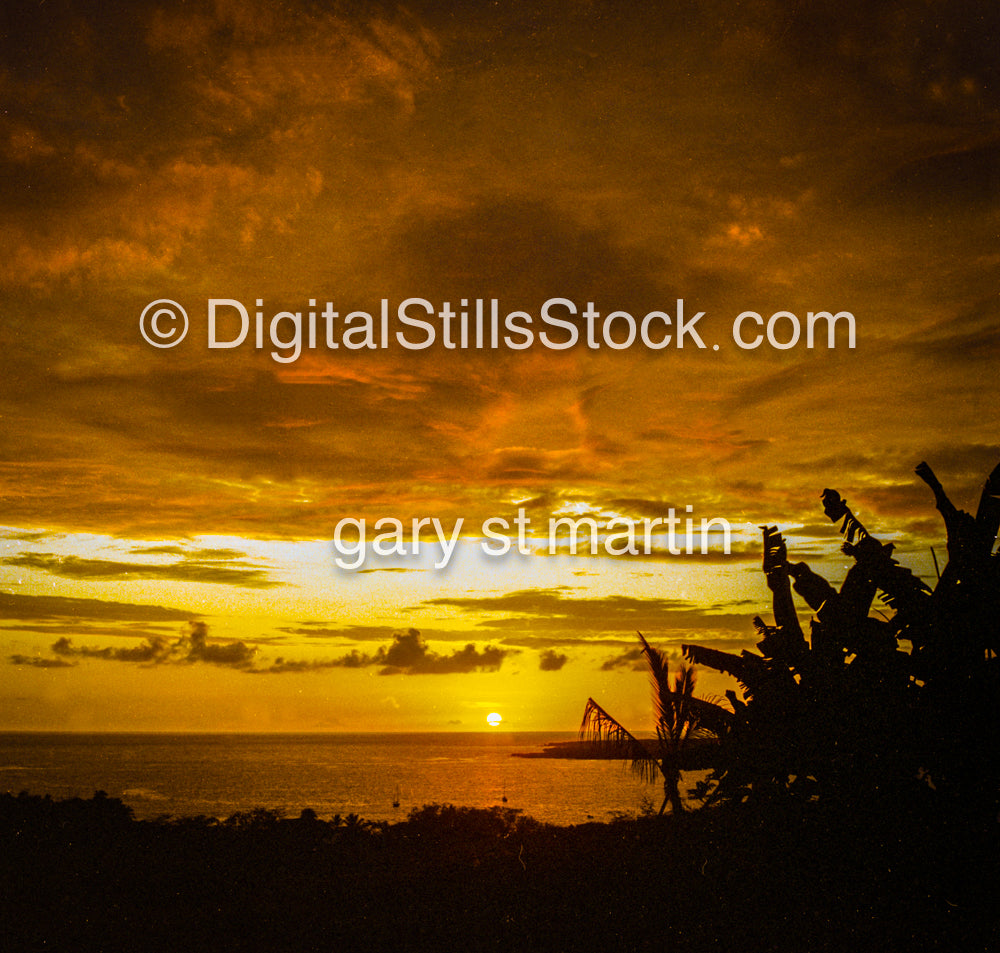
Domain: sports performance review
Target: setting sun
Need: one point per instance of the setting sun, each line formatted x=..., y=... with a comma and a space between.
x=493, y=719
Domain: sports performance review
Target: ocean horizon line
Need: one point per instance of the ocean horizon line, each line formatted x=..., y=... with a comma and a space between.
x=486, y=732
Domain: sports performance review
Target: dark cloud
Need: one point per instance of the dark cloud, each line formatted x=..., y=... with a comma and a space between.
x=15, y=605
x=84, y=628
x=35, y=661
x=323, y=630
x=409, y=654
x=639, y=508
x=406, y=654
x=826, y=532
x=25, y=536
x=152, y=650
x=373, y=633
x=630, y=658
x=158, y=551
x=552, y=661
x=195, y=647
x=191, y=647
x=195, y=554
x=635, y=659
x=244, y=575
x=555, y=610
x=282, y=666
x=971, y=336
x=543, y=642
x=497, y=241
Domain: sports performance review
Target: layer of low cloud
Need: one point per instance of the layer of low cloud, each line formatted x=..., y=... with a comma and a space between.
x=193, y=646
x=560, y=609
x=37, y=661
x=217, y=569
x=406, y=654
x=26, y=607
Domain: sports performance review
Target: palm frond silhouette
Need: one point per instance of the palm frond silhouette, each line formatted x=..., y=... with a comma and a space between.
x=679, y=717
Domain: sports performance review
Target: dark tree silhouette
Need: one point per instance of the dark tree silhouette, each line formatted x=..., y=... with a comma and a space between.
x=680, y=717
x=872, y=705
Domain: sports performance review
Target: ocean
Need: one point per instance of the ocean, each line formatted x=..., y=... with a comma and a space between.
x=220, y=774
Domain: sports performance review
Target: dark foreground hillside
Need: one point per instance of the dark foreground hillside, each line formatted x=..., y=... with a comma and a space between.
x=82, y=875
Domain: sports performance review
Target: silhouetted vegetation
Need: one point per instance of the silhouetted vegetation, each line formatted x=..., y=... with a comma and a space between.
x=82, y=875
x=877, y=707
x=680, y=717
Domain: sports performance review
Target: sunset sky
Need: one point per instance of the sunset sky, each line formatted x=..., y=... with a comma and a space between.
x=167, y=557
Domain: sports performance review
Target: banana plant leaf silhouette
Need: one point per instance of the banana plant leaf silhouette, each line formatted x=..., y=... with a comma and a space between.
x=873, y=702
x=680, y=717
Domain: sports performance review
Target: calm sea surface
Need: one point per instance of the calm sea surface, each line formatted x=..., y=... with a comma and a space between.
x=219, y=774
